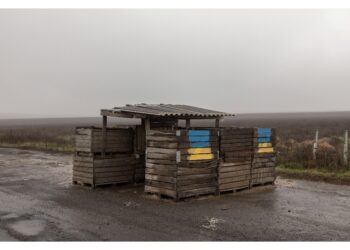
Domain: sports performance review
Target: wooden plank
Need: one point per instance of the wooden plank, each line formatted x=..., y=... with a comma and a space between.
x=195, y=151
x=196, y=186
x=101, y=169
x=263, y=165
x=161, y=166
x=199, y=164
x=161, y=133
x=232, y=164
x=161, y=150
x=237, y=159
x=237, y=130
x=160, y=178
x=195, y=181
x=188, y=145
x=112, y=180
x=199, y=157
x=233, y=174
x=83, y=164
x=196, y=176
x=162, y=161
x=128, y=173
x=234, y=179
x=162, y=138
x=168, y=145
x=212, y=138
x=161, y=156
x=196, y=192
x=83, y=158
x=159, y=184
x=234, y=169
x=194, y=171
x=163, y=191
x=163, y=172
x=237, y=153
x=233, y=185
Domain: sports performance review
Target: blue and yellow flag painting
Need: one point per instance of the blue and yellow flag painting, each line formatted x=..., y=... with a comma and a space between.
x=264, y=140
x=200, y=148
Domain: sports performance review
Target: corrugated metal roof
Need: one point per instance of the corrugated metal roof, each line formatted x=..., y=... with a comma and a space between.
x=167, y=110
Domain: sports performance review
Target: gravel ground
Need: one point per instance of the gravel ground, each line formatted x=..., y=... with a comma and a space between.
x=39, y=203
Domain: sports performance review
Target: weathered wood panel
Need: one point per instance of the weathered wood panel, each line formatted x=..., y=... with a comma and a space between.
x=160, y=172
x=97, y=170
x=236, y=151
x=90, y=140
x=263, y=166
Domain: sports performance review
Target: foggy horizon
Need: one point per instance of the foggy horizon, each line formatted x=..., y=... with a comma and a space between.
x=72, y=63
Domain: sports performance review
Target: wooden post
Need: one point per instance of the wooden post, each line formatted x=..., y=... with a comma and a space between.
x=217, y=123
x=188, y=123
x=315, y=146
x=147, y=128
x=176, y=124
x=104, y=134
x=346, y=145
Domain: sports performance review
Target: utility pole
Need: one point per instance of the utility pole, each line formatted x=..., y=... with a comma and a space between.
x=315, y=146
x=346, y=144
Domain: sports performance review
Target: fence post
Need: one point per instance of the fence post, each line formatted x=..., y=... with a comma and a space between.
x=315, y=146
x=346, y=139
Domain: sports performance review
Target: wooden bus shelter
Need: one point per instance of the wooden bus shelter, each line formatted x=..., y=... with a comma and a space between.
x=173, y=160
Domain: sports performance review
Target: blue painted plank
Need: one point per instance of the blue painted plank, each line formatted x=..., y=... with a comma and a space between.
x=264, y=130
x=200, y=144
x=264, y=134
x=192, y=138
x=264, y=139
x=198, y=132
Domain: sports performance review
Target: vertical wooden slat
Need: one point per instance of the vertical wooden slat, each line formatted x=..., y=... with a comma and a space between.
x=104, y=134
x=188, y=123
x=147, y=128
x=217, y=123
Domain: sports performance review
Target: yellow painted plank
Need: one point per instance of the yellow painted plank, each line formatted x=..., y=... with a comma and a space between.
x=265, y=150
x=200, y=157
x=265, y=145
x=199, y=151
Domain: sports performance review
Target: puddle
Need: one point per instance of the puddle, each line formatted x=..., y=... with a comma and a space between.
x=28, y=227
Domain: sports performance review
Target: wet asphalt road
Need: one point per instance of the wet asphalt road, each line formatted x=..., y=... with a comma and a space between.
x=38, y=202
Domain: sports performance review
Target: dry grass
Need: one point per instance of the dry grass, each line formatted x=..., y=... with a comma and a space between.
x=51, y=138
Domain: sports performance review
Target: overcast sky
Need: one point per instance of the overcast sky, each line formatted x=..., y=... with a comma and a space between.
x=75, y=62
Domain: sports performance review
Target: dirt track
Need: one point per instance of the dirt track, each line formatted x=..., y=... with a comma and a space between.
x=38, y=202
